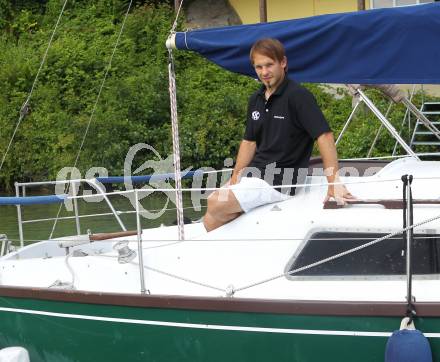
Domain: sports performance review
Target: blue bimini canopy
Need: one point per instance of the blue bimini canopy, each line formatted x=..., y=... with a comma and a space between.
x=394, y=45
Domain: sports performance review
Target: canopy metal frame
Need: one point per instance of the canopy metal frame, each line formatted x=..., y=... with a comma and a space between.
x=384, y=121
x=411, y=108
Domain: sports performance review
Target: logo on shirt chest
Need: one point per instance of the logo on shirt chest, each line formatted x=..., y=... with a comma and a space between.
x=255, y=115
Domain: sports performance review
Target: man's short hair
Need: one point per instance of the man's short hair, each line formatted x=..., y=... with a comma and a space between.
x=268, y=47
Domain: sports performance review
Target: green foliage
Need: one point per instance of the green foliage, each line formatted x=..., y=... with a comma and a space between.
x=213, y=109
x=133, y=106
x=336, y=104
x=134, y=103
x=5, y=13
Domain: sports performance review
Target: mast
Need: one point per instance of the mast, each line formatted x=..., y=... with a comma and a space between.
x=263, y=11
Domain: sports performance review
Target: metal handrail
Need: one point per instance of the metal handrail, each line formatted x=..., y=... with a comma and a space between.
x=74, y=186
x=120, y=212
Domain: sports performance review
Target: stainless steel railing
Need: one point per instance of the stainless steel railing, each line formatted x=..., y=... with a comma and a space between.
x=74, y=187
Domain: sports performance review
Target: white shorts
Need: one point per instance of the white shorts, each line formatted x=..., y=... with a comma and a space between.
x=252, y=192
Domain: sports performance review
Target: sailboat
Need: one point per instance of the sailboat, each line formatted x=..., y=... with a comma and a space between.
x=297, y=280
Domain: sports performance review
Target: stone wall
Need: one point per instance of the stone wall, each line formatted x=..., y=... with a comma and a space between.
x=209, y=14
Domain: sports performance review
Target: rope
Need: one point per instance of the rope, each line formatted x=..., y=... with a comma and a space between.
x=231, y=290
x=175, y=133
x=182, y=278
x=176, y=147
x=174, y=276
x=72, y=272
x=24, y=111
x=65, y=285
x=336, y=256
x=173, y=28
x=66, y=190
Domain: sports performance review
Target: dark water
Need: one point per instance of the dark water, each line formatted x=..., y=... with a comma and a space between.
x=41, y=230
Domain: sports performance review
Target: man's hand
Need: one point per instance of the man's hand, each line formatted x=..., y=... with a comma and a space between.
x=327, y=149
x=339, y=193
x=235, y=178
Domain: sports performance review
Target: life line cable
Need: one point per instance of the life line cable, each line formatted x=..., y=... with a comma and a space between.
x=336, y=256
x=231, y=290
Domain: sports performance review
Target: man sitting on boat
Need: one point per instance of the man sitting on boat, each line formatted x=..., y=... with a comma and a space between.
x=283, y=121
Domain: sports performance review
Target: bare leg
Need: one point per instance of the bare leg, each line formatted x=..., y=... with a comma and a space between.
x=222, y=208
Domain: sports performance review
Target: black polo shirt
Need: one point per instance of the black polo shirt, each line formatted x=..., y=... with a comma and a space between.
x=284, y=127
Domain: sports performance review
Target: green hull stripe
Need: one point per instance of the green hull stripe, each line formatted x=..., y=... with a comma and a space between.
x=208, y=326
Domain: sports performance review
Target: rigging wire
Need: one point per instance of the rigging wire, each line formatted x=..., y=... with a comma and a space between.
x=231, y=290
x=94, y=109
x=24, y=110
x=337, y=256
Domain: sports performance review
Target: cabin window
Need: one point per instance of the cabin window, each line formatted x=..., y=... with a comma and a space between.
x=383, y=258
x=375, y=4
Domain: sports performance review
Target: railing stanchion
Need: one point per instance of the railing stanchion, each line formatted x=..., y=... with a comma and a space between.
x=75, y=207
x=139, y=240
x=408, y=221
x=19, y=218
